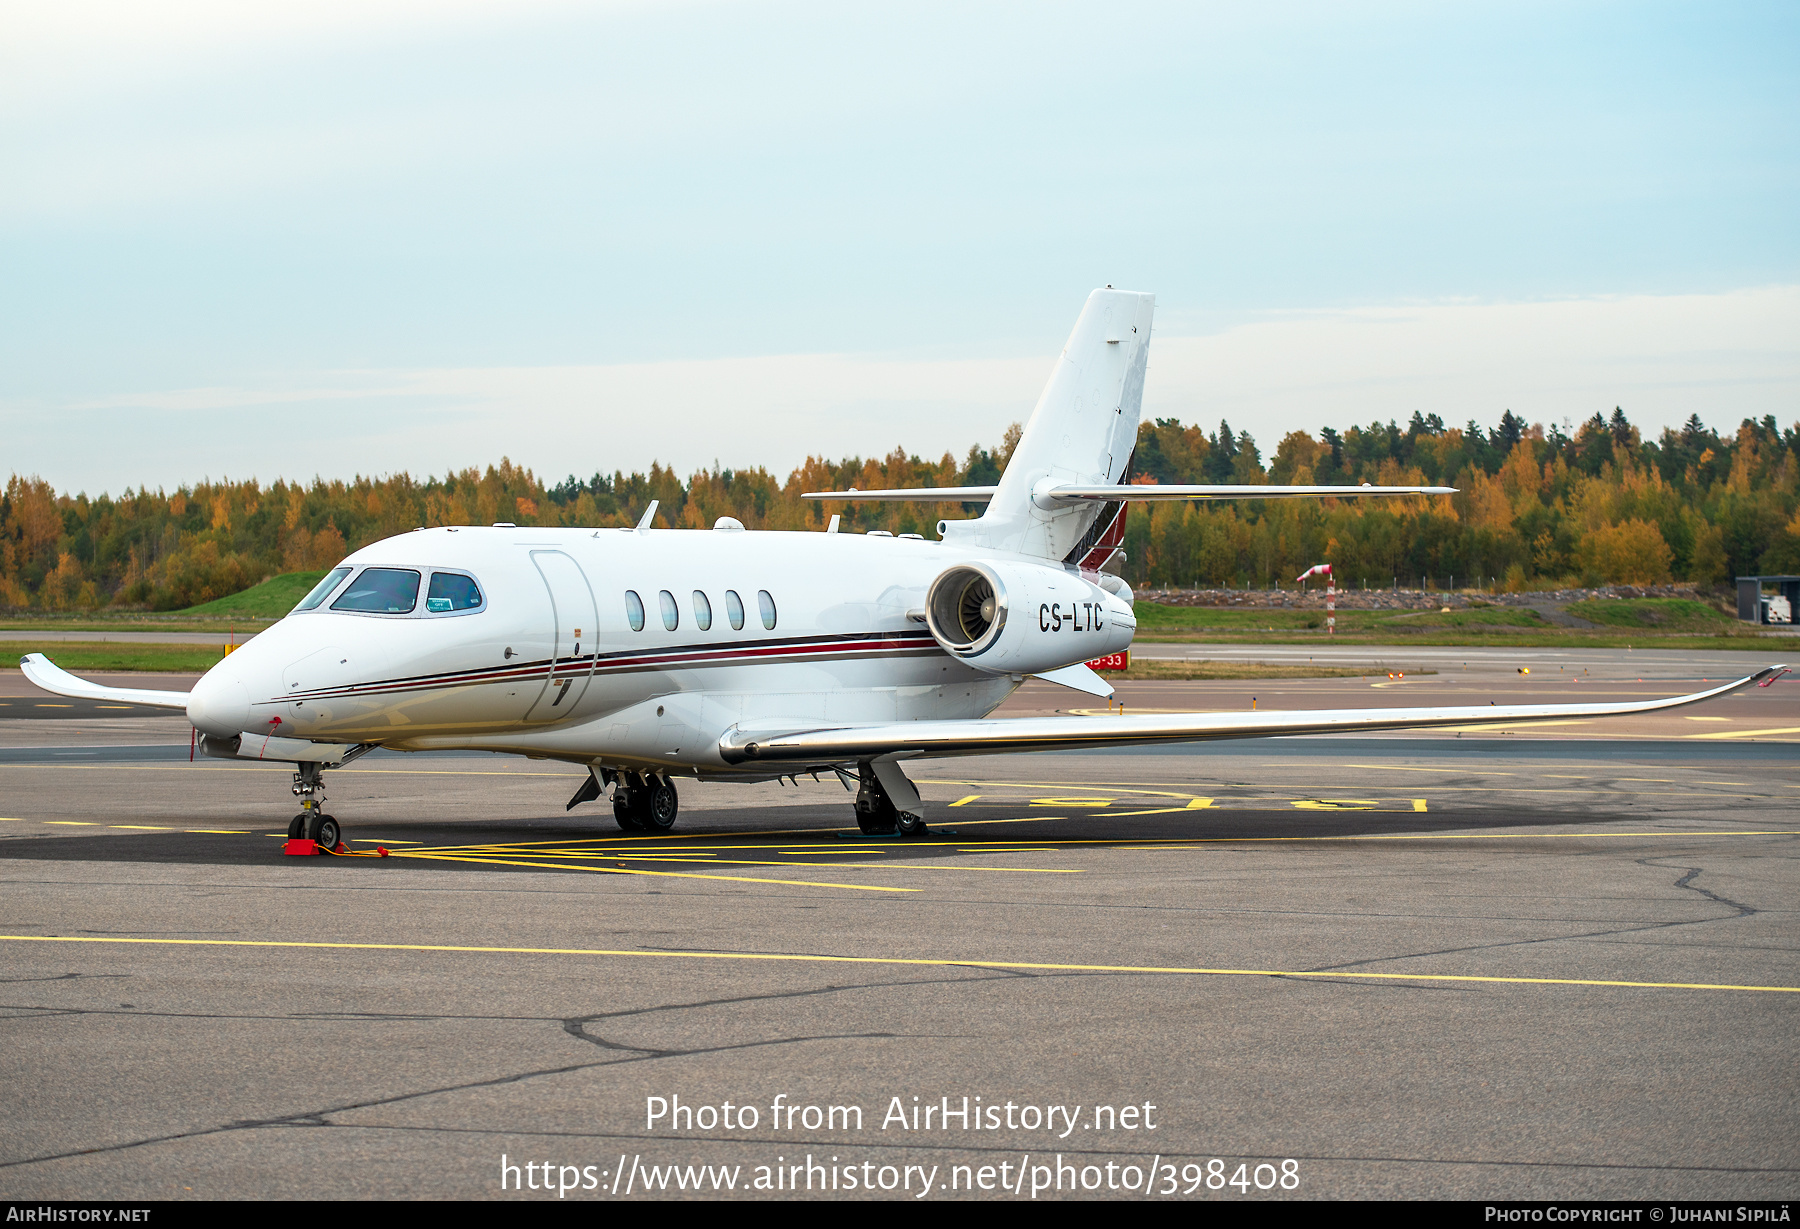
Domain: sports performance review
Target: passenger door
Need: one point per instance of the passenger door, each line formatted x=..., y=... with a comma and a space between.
x=577, y=622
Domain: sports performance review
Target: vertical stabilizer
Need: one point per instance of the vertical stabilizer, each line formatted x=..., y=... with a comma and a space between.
x=1081, y=432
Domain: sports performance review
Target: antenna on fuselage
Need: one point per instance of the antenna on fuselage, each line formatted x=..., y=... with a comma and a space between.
x=832, y=528
x=649, y=515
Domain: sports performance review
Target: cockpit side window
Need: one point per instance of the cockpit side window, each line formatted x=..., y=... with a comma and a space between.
x=451, y=592
x=381, y=591
x=323, y=589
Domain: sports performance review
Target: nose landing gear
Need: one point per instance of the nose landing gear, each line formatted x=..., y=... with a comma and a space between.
x=312, y=823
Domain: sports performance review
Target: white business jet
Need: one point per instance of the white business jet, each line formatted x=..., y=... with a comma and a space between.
x=648, y=655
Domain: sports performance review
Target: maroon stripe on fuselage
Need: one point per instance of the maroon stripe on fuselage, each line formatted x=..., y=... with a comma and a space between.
x=868, y=644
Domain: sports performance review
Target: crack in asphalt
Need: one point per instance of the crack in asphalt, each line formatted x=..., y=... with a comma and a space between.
x=1686, y=881
x=573, y=1026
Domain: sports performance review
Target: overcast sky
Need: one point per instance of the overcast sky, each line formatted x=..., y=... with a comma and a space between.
x=285, y=240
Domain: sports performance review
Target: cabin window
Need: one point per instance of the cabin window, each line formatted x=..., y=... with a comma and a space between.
x=766, y=605
x=734, y=610
x=381, y=591
x=323, y=589
x=671, y=613
x=634, y=610
x=450, y=592
x=702, y=612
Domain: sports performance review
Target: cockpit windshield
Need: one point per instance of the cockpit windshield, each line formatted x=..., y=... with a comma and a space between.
x=323, y=589
x=381, y=591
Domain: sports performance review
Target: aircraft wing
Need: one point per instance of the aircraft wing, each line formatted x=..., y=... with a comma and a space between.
x=41, y=672
x=986, y=736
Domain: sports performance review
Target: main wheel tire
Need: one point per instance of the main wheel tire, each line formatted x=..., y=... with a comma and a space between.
x=878, y=819
x=323, y=831
x=909, y=824
x=297, y=827
x=624, y=812
x=660, y=807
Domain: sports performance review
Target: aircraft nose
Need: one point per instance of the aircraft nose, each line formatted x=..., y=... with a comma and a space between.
x=219, y=704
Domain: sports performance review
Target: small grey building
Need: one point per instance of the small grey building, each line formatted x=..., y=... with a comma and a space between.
x=1768, y=599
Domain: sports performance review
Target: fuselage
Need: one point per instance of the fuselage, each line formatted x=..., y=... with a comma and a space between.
x=636, y=649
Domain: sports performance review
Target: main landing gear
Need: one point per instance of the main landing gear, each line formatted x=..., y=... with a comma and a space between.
x=886, y=802
x=312, y=823
x=642, y=801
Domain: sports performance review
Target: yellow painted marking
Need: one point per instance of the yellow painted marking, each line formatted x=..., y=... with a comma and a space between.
x=72, y=823
x=1400, y=768
x=1709, y=719
x=54, y=706
x=111, y=706
x=1198, y=804
x=1135, y=710
x=621, y=870
x=219, y=831
x=1336, y=804
x=1792, y=729
x=1071, y=802
x=965, y=800
x=921, y=866
x=1183, y=842
x=1418, y=804
x=1074, y=785
x=142, y=827
x=904, y=961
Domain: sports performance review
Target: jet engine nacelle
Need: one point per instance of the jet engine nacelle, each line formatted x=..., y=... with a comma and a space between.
x=1023, y=618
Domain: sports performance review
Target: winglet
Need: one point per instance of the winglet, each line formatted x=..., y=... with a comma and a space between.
x=40, y=671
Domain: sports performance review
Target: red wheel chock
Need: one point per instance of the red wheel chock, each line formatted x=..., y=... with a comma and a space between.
x=302, y=848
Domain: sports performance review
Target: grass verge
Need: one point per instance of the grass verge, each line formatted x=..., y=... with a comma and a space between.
x=1655, y=613
x=272, y=599
x=1566, y=638
x=1146, y=668
x=112, y=656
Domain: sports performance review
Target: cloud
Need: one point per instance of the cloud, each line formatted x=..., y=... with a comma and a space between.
x=1723, y=356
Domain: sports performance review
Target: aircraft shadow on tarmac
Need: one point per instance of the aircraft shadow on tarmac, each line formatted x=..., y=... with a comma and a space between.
x=554, y=844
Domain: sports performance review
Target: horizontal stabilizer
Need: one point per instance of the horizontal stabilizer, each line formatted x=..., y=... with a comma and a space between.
x=40, y=671
x=986, y=736
x=927, y=494
x=1171, y=491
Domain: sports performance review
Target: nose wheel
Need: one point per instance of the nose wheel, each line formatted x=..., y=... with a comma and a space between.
x=312, y=823
x=317, y=827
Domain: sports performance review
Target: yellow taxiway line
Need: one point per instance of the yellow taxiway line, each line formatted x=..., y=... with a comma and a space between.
x=905, y=961
x=620, y=870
